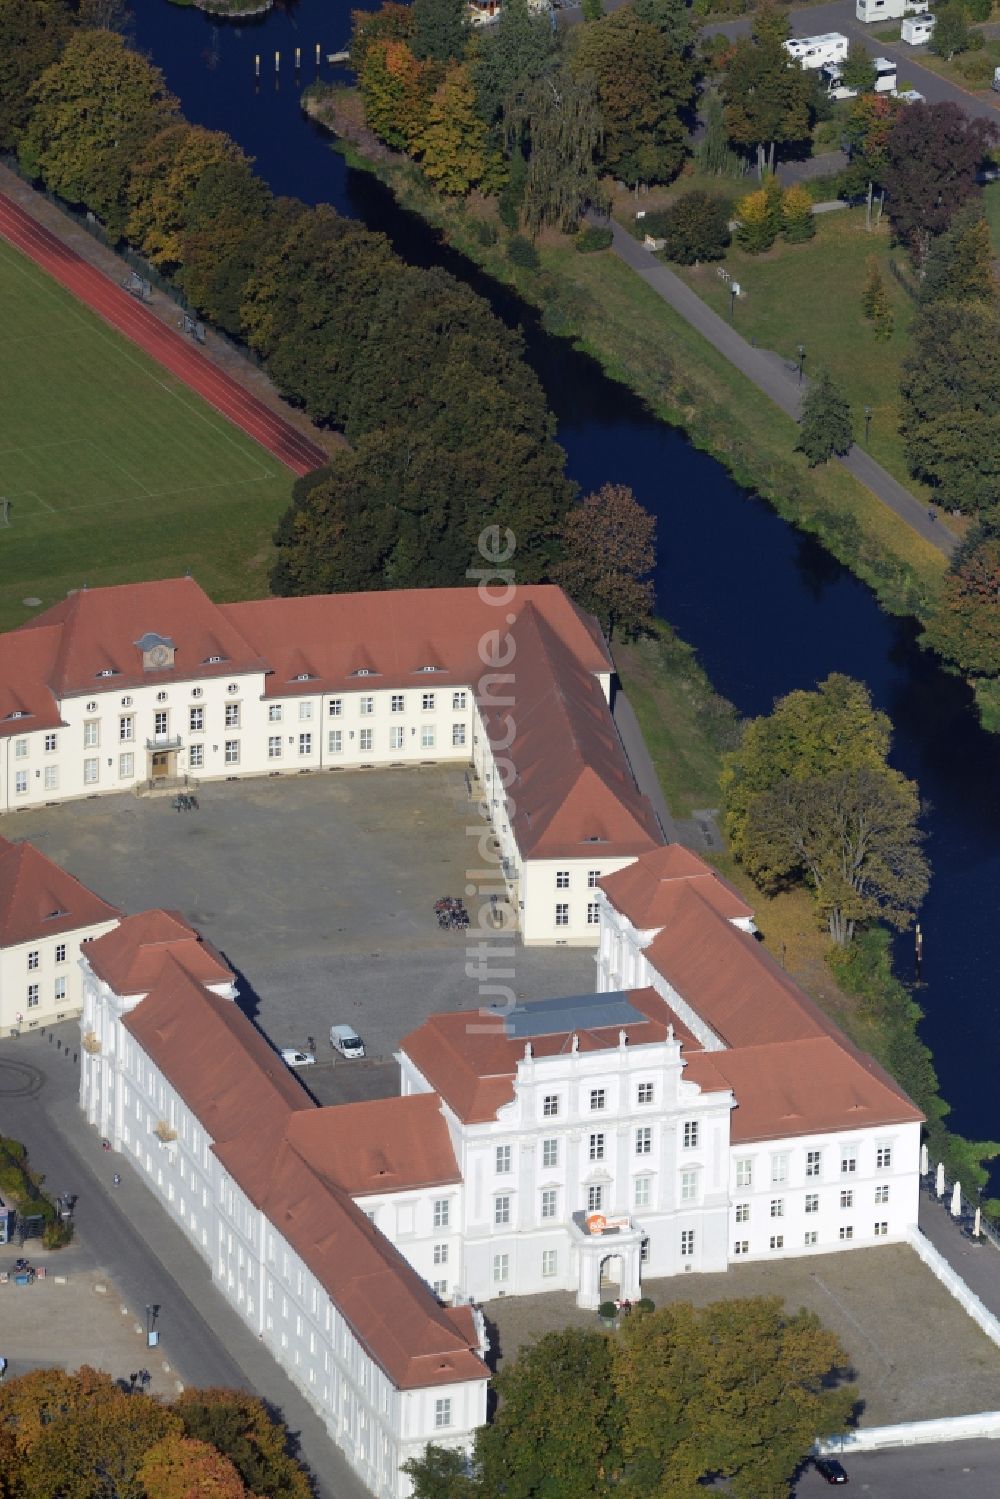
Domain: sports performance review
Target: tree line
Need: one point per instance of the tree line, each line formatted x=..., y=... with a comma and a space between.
x=448, y=427
x=72, y=1436
x=679, y=1396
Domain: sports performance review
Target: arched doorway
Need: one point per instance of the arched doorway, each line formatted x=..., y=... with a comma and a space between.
x=611, y=1277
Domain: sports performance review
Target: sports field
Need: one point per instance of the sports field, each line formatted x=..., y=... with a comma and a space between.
x=114, y=469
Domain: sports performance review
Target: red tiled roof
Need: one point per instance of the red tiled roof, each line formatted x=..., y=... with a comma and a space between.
x=131, y=957
x=391, y=1311
x=646, y=891
x=573, y=792
x=220, y=1065
x=473, y=1066
x=99, y=628
x=391, y=635
x=26, y=661
x=804, y=1087
x=38, y=899
x=384, y=1145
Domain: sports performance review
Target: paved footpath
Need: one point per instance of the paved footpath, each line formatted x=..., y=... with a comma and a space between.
x=976, y=1261
x=143, y=1253
x=778, y=381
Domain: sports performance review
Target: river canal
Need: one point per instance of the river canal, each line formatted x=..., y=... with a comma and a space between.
x=766, y=608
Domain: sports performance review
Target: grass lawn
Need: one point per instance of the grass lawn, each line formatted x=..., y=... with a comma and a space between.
x=115, y=470
x=811, y=294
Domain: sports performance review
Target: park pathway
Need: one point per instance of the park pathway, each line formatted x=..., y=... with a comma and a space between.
x=778, y=381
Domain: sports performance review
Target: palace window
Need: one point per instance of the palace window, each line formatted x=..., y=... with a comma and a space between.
x=690, y=1134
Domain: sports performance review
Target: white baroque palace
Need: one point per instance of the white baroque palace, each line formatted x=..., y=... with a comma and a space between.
x=697, y=1110
x=119, y=688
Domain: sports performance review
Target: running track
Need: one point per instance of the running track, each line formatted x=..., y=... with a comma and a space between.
x=168, y=348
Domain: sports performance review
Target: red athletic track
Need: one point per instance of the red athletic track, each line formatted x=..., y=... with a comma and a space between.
x=168, y=348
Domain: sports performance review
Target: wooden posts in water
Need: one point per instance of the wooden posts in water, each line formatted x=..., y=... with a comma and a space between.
x=298, y=58
x=319, y=55
x=277, y=62
x=256, y=65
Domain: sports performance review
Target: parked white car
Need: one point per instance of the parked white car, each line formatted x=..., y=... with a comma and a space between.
x=909, y=96
x=292, y=1057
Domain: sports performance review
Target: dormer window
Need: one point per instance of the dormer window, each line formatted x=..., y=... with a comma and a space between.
x=362, y=671
x=107, y=671
x=18, y=713
x=304, y=676
x=91, y=707
x=157, y=651
x=214, y=660
x=430, y=668
x=55, y=915
x=233, y=687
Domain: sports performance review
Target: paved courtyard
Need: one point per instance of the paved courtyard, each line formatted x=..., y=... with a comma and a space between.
x=319, y=890
x=915, y=1353
x=75, y=1316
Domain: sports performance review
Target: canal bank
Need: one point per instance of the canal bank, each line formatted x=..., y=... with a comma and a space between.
x=766, y=608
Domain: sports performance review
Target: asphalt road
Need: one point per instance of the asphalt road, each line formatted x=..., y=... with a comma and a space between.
x=839, y=16
x=951, y=1470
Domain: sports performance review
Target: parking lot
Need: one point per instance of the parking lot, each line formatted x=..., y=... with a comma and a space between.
x=319, y=890
x=914, y=1352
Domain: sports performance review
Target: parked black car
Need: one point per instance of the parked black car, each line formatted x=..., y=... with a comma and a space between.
x=831, y=1470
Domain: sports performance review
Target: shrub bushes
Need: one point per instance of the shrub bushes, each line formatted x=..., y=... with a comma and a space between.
x=521, y=251
x=695, y=227
x=594, y=237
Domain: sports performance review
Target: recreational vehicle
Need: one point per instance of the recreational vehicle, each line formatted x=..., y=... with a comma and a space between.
x=885, y=79
x=886, y=10
x=817, y=51
x=917, y=29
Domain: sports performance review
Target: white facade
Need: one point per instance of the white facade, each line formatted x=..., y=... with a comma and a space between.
x=40, y=981
x=377, y=1425
x=617, y=1133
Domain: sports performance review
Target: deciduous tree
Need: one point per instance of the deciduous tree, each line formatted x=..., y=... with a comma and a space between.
x=758, y=218
x=798, y=223
x=950, y=385
x=396, y=90
x=695, y=227
x=934, y=154
x=181, y=1468
x=32, y=34
x=737, y=1389
x=391, y=22
x=556, y=1427
x=645, y=87
x=951, y=31
x=965, y=625
x=240, y=1425
x=95, y=110
x=228, y=221
x=163, y=182
x=440, y=30
x=517, y=51
x=858, y=69
x=825, y=425
x=609, y=554
x=959, y=266
x=440, y=1473
x=557, y=120
x=768, y=103
x=452, y=143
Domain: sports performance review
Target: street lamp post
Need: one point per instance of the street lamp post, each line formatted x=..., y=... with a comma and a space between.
x=152, y=1332
x=734, y=291
x=801, y=351
x=868, y=423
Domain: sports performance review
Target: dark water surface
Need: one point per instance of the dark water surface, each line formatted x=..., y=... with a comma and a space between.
x=766, y=608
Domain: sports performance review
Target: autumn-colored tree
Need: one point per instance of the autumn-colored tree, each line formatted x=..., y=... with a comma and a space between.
x=965, y=625
x=80, y=1434
x=798, y=223
x=452, y=144
x=959, y=265
x=875, y=301
x=758, y=218
x=391, y=22
x=180, y=1467
x=95, y=110
x=239, y=1425
x=228, y=221
x=163, y=183
x=609, y=554
x=396, y=90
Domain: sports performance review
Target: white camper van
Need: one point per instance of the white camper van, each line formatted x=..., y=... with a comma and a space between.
x=817, y=51
x=886, y=10
x=345, y=1039
x=885, y=79
x=917, y=29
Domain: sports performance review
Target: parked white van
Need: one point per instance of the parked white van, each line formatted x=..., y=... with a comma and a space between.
x=345, y=1039
x=885, y=79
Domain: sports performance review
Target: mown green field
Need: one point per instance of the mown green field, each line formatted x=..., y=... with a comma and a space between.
x=116, y=471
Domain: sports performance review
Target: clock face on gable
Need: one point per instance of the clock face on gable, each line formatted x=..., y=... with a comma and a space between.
x=157, y=657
